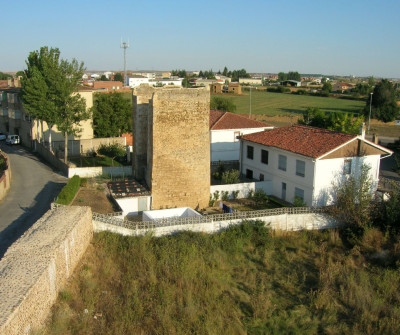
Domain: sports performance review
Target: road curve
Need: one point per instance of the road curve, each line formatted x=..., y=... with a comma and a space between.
x=34, y=185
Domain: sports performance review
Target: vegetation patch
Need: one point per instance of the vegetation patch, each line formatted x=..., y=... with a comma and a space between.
x=246, y=279
x=69, y=191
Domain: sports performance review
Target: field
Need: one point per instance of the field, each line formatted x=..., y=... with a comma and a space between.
x=245, y=280
x=272, y=104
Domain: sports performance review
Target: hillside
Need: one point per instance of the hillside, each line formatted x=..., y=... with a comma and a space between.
x=246, y=279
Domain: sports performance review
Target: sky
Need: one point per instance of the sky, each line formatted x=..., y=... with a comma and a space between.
x=358, y=37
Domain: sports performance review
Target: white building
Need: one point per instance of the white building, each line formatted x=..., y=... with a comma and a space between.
x=306, y=162
x=136, y=81
x=225, y=129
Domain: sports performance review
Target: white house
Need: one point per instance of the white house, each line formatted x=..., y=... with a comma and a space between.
x=225, y=128
x=306, y=162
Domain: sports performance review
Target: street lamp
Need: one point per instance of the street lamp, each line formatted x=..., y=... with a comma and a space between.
x=370, y=106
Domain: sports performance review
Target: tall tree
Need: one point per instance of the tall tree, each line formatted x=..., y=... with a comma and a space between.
x=224, y=104
x=384, y=106
x=49, y=92
x=118, y=77
x=225, y=72
x=112, y=115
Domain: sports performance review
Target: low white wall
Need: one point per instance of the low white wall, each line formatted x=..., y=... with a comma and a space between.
x=183, y=212
x=130, y=206
x=243, y=188
x=287, y=222
x=88, y=172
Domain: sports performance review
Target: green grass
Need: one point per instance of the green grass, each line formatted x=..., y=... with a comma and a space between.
x=272, y=104
x=245, y=280
x=94, y=161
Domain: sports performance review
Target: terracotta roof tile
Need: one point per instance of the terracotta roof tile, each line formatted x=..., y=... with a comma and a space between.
x=225, y=120
x=303, y=140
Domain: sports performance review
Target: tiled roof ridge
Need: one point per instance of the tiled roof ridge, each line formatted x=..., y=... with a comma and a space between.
x=228, y=116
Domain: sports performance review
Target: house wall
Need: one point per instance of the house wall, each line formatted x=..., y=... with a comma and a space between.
x=180, y=167
x=277, y=176
x=225, y=146
x=329, y=172
x=243, y=188
x=130, y=206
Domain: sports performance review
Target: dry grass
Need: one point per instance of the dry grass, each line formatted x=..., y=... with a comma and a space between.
x=245, y=280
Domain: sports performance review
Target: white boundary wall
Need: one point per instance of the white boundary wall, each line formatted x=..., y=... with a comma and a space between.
x=88, y=172
x=243, y=188
x=287, y=222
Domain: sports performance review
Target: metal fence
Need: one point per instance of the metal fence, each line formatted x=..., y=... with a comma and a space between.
x=206, y=218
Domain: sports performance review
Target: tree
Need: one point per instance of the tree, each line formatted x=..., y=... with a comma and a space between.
x=49, y=92
x=337, y=121
x=118, y=77
x=327, y=87
x=282, y=76
x=20, y=74
x=112, y=115
x=293, y=75
x=225, y=72
x=103, y=78
x=371, y=82
x=5, y=76
x=224, y=104
x=384, y=106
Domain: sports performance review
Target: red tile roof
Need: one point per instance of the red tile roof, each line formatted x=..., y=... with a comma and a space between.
x=225, y=120
x=303, y=140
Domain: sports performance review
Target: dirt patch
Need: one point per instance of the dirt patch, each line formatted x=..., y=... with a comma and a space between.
x=95, y=196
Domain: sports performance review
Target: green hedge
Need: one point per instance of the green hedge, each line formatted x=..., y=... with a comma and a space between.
x=68, y=192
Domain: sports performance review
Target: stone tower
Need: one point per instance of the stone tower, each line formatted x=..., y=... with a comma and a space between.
x=172, y=145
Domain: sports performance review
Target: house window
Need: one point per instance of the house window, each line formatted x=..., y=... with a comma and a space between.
x=347, y=166
x=249, y=174
x=264, y=156
x=298, y=194
x=283, y=191
x=261, y=177
x=300, y=168
x=236, y=135
x=250, y=152
x=282, y=163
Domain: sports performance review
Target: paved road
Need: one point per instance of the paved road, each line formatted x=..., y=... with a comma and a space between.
x=34, y=186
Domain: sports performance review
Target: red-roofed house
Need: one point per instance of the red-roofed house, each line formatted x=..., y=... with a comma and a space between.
x=225, y=127
x=304, y=162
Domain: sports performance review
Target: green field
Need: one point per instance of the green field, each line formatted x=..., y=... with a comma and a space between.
x=272, y=104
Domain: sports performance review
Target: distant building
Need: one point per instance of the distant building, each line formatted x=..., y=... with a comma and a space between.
x=219, y=88
x=108, y=85
x=250, y=81
x=293, y=83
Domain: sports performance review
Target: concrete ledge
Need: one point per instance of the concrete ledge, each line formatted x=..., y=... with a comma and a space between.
x=36, y=267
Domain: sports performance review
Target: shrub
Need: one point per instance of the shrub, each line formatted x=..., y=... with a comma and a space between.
x=235, y=194
x=111, y=150
x=260, y=196
x=225, y=195
x=231, y=177
x=216, y=196
x=68, y=192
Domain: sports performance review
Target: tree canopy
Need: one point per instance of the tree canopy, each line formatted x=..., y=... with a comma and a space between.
x=49, y=91
x=5, y=76
x=384, y=106
x=337, y=121
x=112, y=115
x=223, y=104
x=291, y=75
x=118, y=77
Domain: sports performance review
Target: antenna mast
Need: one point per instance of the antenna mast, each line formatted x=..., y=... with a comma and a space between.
x=125, y=46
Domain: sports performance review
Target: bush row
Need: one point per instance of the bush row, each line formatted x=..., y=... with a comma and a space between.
x=68, y=192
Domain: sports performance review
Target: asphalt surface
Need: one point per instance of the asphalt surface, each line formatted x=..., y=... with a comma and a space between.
x=34, y=185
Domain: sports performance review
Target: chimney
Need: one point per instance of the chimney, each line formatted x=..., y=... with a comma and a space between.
x=362, y=130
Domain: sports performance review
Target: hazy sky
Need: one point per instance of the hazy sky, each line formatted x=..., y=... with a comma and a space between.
x=357, y=37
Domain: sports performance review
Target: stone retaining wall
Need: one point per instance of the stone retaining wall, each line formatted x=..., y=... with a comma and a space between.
x=36, y=267
x=5, y=179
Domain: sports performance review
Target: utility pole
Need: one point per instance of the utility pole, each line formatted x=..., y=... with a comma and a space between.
x=125, y=46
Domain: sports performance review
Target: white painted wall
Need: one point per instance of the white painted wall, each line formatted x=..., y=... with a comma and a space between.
x=287, y=222
x=133, y=82
x=277, y=176
x=243, y=188
x=89, y=172
x=130, y=206
x=329, y=172
x=224, y=145
x=182, y=212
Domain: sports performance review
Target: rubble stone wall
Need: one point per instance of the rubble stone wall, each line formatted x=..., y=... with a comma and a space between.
x=35, y=268
x=180, y=175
